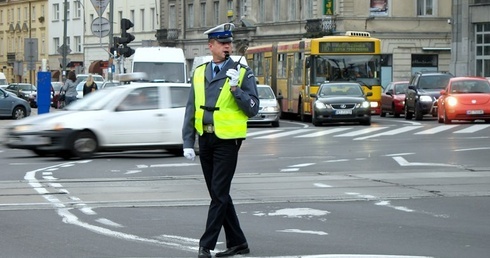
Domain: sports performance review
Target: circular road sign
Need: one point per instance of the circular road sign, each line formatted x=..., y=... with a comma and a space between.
x=100, y=27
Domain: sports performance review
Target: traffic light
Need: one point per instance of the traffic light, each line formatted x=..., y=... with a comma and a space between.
x=125, y=39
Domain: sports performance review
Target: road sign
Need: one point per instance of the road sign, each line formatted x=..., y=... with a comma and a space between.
x=67, y=50
x=100, y=27
x=100, y=6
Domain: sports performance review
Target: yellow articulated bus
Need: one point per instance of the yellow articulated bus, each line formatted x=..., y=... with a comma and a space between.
x=297, y=68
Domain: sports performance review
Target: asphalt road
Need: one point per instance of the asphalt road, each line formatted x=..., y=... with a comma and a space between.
x=396, y=188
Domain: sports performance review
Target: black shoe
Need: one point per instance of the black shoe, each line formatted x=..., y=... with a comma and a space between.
x=204, y=253
x=239, y=249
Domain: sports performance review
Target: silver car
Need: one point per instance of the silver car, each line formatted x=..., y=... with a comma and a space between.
x=12, y=106
x=269, y=110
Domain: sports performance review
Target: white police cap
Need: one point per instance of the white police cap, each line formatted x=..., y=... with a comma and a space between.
x=222, y=33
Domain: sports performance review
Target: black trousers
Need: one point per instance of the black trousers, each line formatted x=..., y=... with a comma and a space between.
x=218, y=161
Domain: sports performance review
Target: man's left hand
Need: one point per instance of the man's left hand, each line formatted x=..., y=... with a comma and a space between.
x=233, y=75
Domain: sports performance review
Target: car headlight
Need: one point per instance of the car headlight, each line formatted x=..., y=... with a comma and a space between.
x=364, y=104
x=374, y=104
x=21, y=128
x=425, y=98
x=451, y=101
x=321, y=105
x=271, y=109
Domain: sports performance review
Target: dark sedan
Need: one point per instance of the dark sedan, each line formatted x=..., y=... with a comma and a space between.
x=341, y=102
x=25, y=91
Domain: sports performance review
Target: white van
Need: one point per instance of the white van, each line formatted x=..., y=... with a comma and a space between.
x=161, y=64
x=3, y=81
x=198, y=60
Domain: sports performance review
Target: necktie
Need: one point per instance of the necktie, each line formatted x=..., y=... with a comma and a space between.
x=216, y=70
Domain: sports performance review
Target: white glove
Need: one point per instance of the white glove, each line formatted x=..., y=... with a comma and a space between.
x=189, y=153
x=233, y=75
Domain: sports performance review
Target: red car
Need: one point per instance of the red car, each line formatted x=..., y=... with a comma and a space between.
x=393, y=98
x=464, y=98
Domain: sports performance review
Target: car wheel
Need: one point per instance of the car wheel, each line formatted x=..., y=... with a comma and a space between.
x=84, y=144
x=275, y=124
x=366, y=122
x=418, y=113
x=440, y=118
x=395, y=114
x=446, y=120
x=40, y=153
x=18, y=113
x=382, y=114
x=408, y=114
x=315, y=121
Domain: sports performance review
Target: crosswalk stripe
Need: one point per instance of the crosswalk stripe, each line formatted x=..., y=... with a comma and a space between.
x=325, y=132
x=263, y=132
x=359, y=132
x=282, y=134
x=472, y=129
x=437, y=129
x=391, y=132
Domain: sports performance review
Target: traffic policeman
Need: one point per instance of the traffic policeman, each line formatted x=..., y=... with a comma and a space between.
x=223, y=96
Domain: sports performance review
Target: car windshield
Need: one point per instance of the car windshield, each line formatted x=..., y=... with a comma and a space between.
x=470, y=86
x=96, y=100
x=265, y=93
x=340, y=90
x=434, y=82
x=401, y=88
x=26, y=87
x=161, y=72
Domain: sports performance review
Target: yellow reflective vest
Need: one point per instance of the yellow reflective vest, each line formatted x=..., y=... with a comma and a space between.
x=230, y=122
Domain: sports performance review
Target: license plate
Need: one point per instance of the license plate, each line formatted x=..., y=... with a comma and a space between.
x=343, y=112
x=474, y=112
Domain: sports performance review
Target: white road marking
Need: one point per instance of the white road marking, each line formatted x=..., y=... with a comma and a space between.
x=174, y=165
x=399, y=154
x=278, y=135
x=391, y=132
x=321, y=185
x=324, y=132
x=404, y=163
x=108, y=222
x=289, y=169
x=359, y=132
x=320, y=233
x=301, y=165
x=263, y=132
x=474, y=149
x=132, y=172
x=437, y=129
x=473, y=128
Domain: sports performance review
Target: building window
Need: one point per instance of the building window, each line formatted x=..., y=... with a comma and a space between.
x=172, y=17
x=78, y=10
x=307, y=9
x=216, y=12
x=152, y=18
x=292, y=10
x=142, y=13
x=482, y=45
x=33, y=14
x=67, y=11
x=425, y=7
x=378, y=8
x=190, y=16
x=131, y=17
x=120, y=15
x=26, y=14
x=56, y=12
x=78, y=44
x=203, y=14
x=243, y=7
x=56, y=44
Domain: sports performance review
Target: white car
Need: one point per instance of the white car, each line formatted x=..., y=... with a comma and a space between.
x=139, y=116
x=269, y=109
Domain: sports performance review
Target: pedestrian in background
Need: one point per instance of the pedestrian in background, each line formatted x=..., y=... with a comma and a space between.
x=89, y=86
x=223, y=96
x=70, y=88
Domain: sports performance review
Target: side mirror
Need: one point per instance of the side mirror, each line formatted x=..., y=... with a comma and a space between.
x=390, y=92
x=313, y=95
x=307, y=62
x=369, y=94
x=411, y=87
x=443, y=92
x=279, y=97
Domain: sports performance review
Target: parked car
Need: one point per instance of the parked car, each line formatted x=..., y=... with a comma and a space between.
x=341, y=102
x=97, y=78
x=464, y=98
x=422, y=93
x=269, y=110
x=139, y=116
x=12, y=106
x=25, y=91
x=108, y=84
x=393, y=98
x=55, y=94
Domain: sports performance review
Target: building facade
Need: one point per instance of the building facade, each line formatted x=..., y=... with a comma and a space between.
x=23, y=38
x=415, y=34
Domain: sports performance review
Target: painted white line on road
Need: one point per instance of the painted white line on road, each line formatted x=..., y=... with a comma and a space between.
x=87, y=210
x=302, y=165
x=387, y=204
x=437, y=129
x=324, y=132
x=359, y=132
x=472, y=129
x=391, y=132
x=132, y=172
x=174, y=165
x=474, y=149
x=321, y=185
x=108, y=222
x=320, y=233
x=277, y=135
x=404, y=163
x=336, y=160
x=399, y=154
x=289, y=169
x=263, y=132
